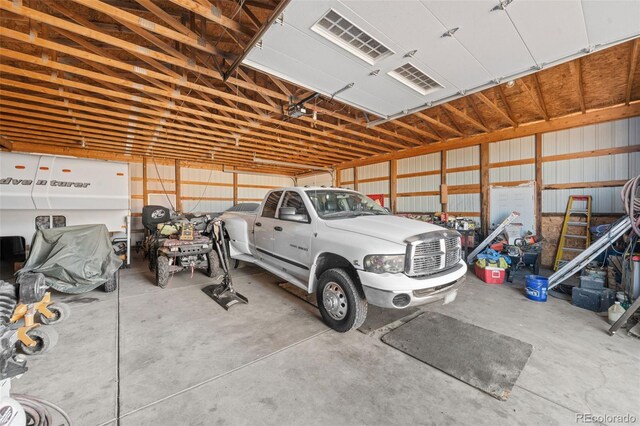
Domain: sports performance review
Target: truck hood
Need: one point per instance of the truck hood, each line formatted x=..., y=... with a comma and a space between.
x=391, y=228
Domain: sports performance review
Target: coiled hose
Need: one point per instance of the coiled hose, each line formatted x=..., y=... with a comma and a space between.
x=631, y=201
x=37, y=410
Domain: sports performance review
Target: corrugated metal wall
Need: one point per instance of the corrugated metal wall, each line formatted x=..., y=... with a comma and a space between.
x=346, y=178
x=464, y=157
x=323, y=179
x=512, y=150
x=614, y=134
x=200, y=185
x=428, y=183
x=375, y=171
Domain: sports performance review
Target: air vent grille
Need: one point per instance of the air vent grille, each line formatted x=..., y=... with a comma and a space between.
x=342, y=32
x=416, y=79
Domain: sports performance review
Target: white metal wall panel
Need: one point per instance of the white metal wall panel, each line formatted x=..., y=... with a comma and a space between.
x=604, y=200
x=346, y=175
x=464, y=203
x=135, y=187
x=464, y=178
x=316, y=180
x=419, y=184
x=512, y=149
x=275, y=181
x=427, y=204
x=373, y=171
x=205, y=206
x=463, y=157
x=512, y=173
x=421, y=163
x=206, y=191
x=205, y=175
x=597, y=136
x=135, y=170
x=381, y=187
x=614, y=134
x=253, y=193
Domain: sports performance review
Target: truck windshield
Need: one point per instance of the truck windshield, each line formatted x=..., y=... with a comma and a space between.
x=339, y=204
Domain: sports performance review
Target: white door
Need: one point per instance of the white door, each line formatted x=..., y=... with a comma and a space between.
x=263, y=230
x=293, y=237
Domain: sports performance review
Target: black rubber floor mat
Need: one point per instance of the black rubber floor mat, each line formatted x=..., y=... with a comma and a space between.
x=380, y=317
x=479, y=357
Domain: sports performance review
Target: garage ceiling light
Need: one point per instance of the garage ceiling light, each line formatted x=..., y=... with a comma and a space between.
x=415, y=79
x=337, y=29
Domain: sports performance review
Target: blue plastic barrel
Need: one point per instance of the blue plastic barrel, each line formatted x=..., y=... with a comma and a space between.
x=536, y=288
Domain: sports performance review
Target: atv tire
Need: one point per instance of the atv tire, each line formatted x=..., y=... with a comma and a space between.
x=162, y=271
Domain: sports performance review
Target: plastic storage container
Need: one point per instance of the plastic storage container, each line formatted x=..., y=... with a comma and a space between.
x=490, y=274
x=536, y=288
x=615, y=312
x=593, y=300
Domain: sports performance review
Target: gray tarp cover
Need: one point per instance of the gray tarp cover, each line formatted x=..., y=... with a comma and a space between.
x=75, y=259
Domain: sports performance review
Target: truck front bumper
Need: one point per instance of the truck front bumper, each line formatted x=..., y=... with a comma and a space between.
x=415, y=292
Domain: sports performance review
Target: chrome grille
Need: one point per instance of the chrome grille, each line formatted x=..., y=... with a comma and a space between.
x=432, y=253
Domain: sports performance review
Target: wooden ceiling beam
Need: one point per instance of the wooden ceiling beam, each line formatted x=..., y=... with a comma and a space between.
x=438, y=123
x=168, y=104
x=534, y=99
x=633, y=64
x=538, y=88
x=476, y=111
x=456, y=112
x=140, y=25
x=151, y=141
x=209, y=11
x=485, y=100
x=131, y=47
x=162, y=119
x=503, y=98
x=576, y=66
x=102, y=123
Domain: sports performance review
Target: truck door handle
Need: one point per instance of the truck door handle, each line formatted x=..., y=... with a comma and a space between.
x=278, y=228
x=258, y=224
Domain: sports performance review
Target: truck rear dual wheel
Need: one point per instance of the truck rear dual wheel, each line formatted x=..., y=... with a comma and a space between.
x=342, y=306
x=162, y=271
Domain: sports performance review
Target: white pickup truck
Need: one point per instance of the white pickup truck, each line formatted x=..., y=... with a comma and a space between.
x=347, y=249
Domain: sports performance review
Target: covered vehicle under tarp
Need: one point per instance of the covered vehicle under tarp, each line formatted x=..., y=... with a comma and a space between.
x=73, y=259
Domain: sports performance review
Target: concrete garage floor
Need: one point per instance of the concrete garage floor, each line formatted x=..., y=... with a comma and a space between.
x=184, y=360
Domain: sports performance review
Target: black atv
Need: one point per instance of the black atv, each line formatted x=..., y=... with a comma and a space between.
x=179, y=243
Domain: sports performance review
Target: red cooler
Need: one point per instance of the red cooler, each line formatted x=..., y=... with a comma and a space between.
x=491, y=274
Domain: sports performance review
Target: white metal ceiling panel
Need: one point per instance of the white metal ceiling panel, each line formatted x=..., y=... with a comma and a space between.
x=488, y=35
x=550, y=29
x=608, y=21
x=493, y=41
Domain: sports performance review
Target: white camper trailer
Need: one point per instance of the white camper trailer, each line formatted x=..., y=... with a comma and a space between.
x=44, y=191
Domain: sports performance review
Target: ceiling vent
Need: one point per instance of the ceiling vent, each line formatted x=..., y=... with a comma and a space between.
x=416, y=79
x=337, y=29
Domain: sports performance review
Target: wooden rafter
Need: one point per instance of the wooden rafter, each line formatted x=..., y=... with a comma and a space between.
x=577, y=69
x=455, y=111
x=534, y=99
x=438, y=123
x=507, y=107
x=633, y=64
x=485, y=100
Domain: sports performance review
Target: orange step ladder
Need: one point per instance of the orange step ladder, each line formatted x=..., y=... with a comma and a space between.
x=573, y=227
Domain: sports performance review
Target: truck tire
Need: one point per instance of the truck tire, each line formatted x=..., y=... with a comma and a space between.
x=162, y=271
x=342, y=306
x=112, y=283
x=213, y=264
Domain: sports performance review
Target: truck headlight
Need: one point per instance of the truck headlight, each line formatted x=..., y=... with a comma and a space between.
x=381, y=263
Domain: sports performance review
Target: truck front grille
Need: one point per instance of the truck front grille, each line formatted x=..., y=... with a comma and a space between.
x=432, y=253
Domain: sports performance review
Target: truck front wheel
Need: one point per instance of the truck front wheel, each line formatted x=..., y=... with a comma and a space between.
x=341, y=305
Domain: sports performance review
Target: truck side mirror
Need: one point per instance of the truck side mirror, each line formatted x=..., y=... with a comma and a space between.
x=289, y=213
